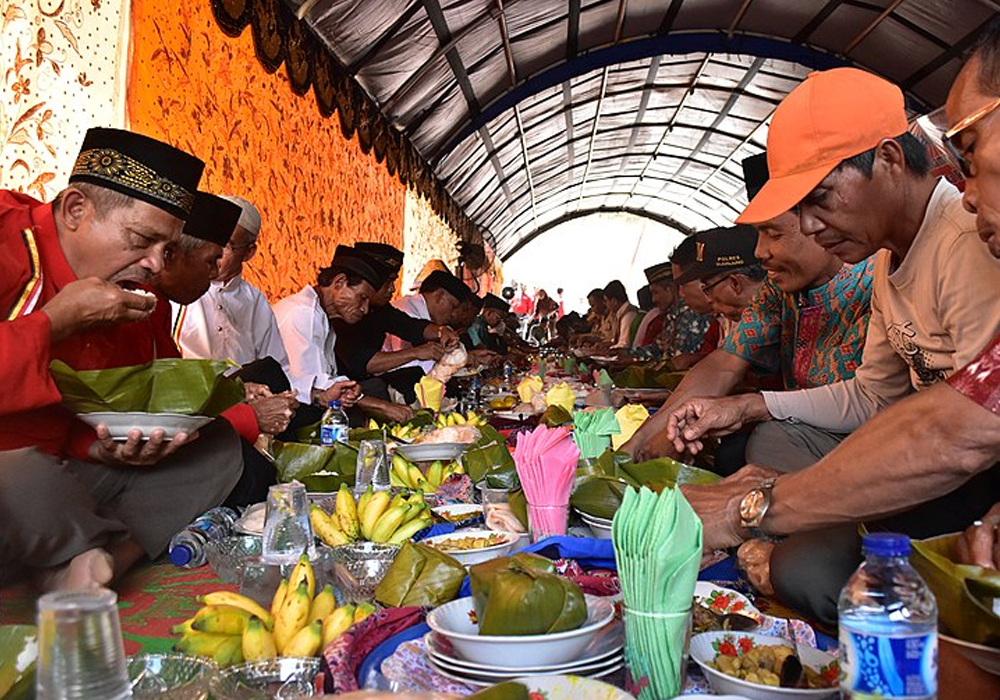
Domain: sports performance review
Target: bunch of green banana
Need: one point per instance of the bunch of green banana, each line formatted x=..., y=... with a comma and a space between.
x=232, y=628
x=376, y=517
x=408, y=476
x=443, y=420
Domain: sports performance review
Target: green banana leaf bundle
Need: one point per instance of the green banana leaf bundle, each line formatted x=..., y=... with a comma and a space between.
x=420, y=575
x=518, y=503
x=174, y=385
x=964, y=593
x=524, y=599
x=488, y=458
x=295, y=461
x=657, y=376
x=481, y=576
x=554, y=416
x=18, y=653
x=601, y=483
x=508, y=690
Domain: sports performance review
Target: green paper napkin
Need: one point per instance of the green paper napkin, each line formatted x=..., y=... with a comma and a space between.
x=592, y=431
x=657, y=540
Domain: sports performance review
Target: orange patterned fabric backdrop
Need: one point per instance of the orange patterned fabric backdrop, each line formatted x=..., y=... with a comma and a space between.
x=205, y=92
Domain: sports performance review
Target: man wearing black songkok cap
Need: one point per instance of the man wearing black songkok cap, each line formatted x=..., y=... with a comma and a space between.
x=808, y=320
x=486, y=330
x=61, y=265
x=343, y=290
x=359, y=352
x=437, y=301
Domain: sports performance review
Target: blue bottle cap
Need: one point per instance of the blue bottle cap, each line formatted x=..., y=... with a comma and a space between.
x=180, y=555
x=886, y=544
x=334, y=404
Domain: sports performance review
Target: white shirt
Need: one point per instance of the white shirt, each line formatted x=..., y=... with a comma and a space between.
x=232, y=321
x=414, y=305
x=623, y=320
x=309, y=341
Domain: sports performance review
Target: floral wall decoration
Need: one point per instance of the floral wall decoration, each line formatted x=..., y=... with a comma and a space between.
x=201, y=90
x=64, y=67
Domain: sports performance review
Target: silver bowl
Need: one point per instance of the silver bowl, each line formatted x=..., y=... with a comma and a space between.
x=358, y=568
x=276, y=679
x=170, y=676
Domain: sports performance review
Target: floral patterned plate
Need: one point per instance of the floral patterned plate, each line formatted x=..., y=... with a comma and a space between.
x=724, y=601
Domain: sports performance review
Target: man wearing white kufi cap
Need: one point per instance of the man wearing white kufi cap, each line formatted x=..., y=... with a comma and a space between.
x=233, y=320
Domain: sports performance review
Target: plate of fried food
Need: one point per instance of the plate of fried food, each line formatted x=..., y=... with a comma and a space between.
x=474, y=546
x=765, y=668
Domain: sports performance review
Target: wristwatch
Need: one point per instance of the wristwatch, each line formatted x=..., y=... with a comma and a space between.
x=753, y=507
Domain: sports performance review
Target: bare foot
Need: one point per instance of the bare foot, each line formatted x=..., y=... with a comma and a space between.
x=91, y=569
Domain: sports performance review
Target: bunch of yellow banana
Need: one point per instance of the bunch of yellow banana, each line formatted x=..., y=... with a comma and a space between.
x=443, y=420
x=376, y=516
x=232, y=628
x=406, y=475
x=404, y=432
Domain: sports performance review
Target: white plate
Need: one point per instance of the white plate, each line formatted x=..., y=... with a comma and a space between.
x=600, y=667
x=511, y=415
x=986, y=658
x=458, y=512
x=472, y=681
x=573, y=688
x=252, y=520
x=451, y=621
x=444, y=451
x=120, y=424
x=608, y=644
x=704, y=654
x=468, y=557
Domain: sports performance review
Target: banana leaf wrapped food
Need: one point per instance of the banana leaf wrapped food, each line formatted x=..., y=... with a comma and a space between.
x=420, y=575
x=965, y=594
x=321, y=469
x=522, y=595
x=171, y=385
x=510, y=690
x=601, y=484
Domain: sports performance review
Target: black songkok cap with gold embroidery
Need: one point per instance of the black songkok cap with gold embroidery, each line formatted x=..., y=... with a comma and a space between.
x=370, y=269
x=212, y=218
x=139, y=167
x=492, y=301
x=388, y=255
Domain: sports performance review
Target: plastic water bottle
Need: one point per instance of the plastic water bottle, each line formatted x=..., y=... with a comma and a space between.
x=333, y=427
x=888, y=626
x=187, y=547
x=508, y=376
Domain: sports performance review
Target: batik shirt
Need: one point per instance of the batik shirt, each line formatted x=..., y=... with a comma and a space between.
x=683, y=330
x=815, y=337
x=980, y=379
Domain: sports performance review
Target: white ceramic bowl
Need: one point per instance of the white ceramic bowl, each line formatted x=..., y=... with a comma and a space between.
x=572, y=688
x=452, y=621
x=431, y=451
x=704, y=654
x=468, y=557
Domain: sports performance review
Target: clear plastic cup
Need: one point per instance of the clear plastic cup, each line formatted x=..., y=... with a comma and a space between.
x=372, y=467
x=287, y=531
x=81, y=655
x=546, y=521
x=657, y=648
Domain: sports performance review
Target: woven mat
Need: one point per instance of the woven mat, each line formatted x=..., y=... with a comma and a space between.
x=152, y=598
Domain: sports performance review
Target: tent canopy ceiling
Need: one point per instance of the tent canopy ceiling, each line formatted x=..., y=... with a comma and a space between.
x=532, y=112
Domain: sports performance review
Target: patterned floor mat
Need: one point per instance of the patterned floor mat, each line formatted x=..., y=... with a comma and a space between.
x=152, y=598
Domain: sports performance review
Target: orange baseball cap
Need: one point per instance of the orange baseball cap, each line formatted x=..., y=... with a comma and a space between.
x=830, y=116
